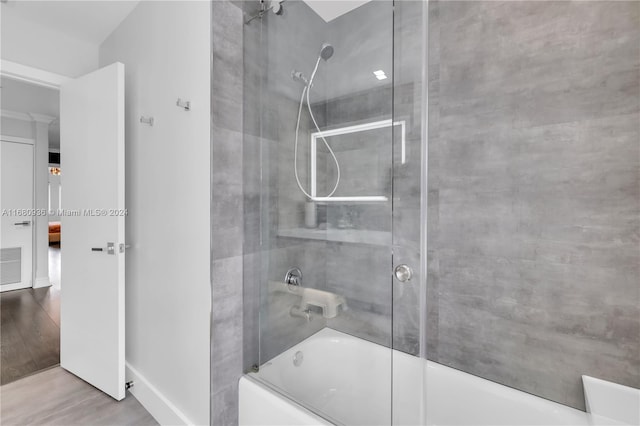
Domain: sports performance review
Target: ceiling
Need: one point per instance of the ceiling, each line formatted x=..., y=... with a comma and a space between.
x=89, y=20
x=331, y=9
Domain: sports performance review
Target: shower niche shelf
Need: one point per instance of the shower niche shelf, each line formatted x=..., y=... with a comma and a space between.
x=354, y=236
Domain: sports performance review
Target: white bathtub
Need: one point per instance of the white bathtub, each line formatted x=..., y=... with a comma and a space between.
x=348, y=381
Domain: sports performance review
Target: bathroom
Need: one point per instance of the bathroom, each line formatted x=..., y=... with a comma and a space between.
x=449, y=181
x=338, y=212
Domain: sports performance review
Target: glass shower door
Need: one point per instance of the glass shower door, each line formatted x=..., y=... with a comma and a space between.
x=319, y=121
x=409, y=235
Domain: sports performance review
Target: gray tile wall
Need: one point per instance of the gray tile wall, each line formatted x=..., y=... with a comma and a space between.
x=227, y=207
x=273, y=48
x=254, y=193
x=345, y=93
x=534, y=217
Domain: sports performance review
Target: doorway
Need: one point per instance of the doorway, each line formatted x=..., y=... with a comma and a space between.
x=92, y=108
x=30, y=297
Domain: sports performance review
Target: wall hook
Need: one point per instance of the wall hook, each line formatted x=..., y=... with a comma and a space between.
x=184, y=104
x=146, y=120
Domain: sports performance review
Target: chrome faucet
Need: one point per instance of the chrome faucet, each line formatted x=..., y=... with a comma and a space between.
x=293, y=278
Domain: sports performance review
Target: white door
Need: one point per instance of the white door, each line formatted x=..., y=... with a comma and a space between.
x=92, y=270
x=16, y=222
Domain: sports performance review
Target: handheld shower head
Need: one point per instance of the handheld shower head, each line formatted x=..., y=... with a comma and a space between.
x=326, y=51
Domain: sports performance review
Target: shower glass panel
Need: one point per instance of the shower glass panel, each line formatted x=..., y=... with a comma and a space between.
x=323, y=143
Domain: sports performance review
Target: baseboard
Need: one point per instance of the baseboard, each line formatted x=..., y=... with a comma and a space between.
x=42, y=282
x=153, y=401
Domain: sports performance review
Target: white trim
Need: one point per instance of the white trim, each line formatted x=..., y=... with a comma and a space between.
x=403, y=143
x=14, y=115
x=16, y=139
x=16, y=71
x=42, y=118
x=313, y=148
x=313, y=166
x=357, y=128
x=42, y=282
x=14, y=286
x=28, y=116
x=153, y=400
x=361, y=199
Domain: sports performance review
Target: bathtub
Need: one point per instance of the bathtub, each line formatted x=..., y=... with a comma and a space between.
x=338, y=379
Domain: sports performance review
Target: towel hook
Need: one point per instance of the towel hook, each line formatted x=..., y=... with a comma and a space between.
x=184, y=104
x=146, y=120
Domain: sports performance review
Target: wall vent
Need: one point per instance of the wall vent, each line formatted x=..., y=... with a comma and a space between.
x=10, y=265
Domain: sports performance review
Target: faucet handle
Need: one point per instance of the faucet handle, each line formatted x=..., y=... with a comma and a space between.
x=293, y=278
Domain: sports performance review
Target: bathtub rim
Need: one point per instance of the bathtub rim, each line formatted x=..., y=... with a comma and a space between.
x=289, y=399
x=256, y=379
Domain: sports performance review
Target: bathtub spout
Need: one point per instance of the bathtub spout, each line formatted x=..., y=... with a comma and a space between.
x=327, y=301
x=298, y=312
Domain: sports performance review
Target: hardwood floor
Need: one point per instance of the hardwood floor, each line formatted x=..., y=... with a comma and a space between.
x=30, y=327
x=56, y=397
x=35, y=393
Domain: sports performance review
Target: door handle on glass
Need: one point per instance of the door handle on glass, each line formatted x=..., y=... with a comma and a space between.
x=25, y=223
x=403, y=273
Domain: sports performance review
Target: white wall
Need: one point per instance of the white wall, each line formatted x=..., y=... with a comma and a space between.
x=19, y=128
x=41, y=250
x=31, y=44
x=165, y=47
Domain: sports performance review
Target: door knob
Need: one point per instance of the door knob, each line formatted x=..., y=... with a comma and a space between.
x=111, y=248
x=403, y=273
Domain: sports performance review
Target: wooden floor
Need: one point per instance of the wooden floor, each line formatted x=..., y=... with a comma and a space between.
x=30, y=327
x=30, y=342
x=56, y=397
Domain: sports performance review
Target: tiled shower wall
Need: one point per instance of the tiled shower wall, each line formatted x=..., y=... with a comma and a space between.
x=227, y=208
x=382, y=309
x=360, y=272
x=260, y=165
x=533, y=197
x=534, y=219
x=272, y=48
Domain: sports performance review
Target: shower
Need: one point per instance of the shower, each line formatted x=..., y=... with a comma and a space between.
x=326, y=52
